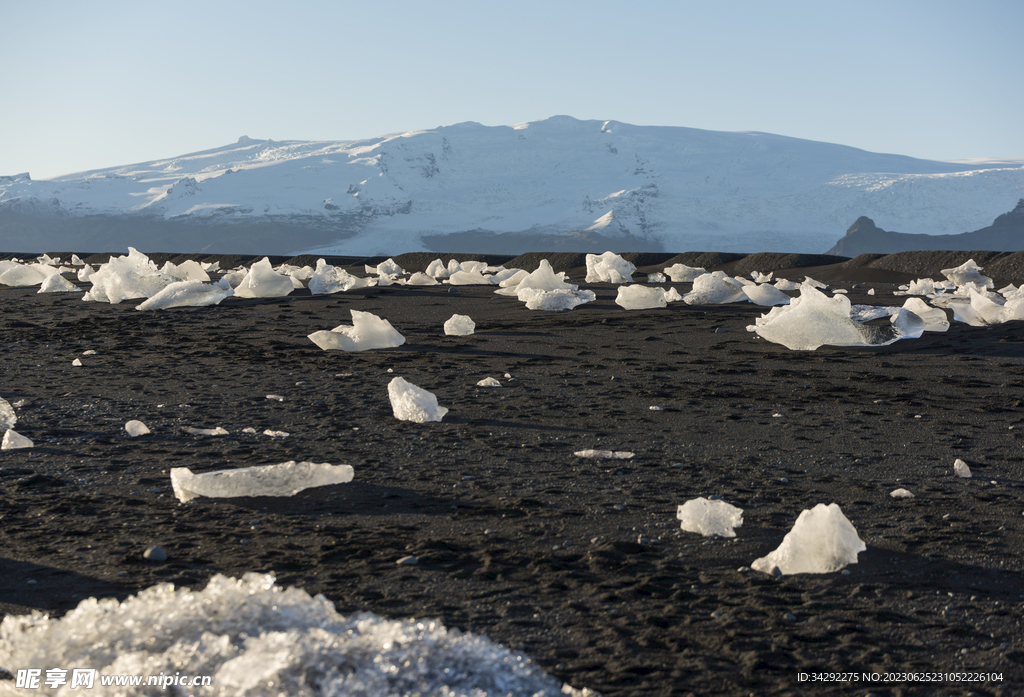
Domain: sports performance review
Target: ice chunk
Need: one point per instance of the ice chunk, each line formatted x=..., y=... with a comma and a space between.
x=608, y=268
x=437, y=269
x=286, y=479
x=808, y=281
x=329, y=279
x=126, y=278
x=421, y=279
x=7, y=416
x=542, y=278
x=503, y=274
x=765, y=295
x=637, y=297
x=85, y=273
x=922, y=286
x=815, y=319
x=786, y=284
x=218, y=431
x=368, y=331
x=468, y=278
x=983, y=310
x=823, y=540
x=276, y=434
x=656, y=277
x=136, y=428
x=20, y=275
x=681, y=273
x=716, y=288
x=515, y=279
x=459, y=325
x=672, y=296
x=710, y=518
x=488, y=382
x=605, y=454
x=901, y=494
x=759, y=277
x=968, y=272
x=389, y=267
x=410, y=403
x=555, y=300
x=58, y=284
x=186, y=294
x=960, y=468
x=934, y=318
x=15, y=441
x=257, y=639
x=263, y=282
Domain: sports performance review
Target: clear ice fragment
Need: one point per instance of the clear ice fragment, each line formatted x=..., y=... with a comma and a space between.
x=459, y=325
x=368, y=331
x=15, y=441
x=136, y=428
x=286, y=479
x=605, y=454
x=411, y=403
x=710, y=518
x=961, y=469
x=823, y=540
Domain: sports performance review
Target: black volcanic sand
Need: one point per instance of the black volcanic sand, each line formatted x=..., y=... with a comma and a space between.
x=578, y=562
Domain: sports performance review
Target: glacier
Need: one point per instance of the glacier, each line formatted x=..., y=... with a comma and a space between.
x=558, y=183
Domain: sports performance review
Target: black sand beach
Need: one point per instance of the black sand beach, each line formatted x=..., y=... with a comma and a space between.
x=578, y=562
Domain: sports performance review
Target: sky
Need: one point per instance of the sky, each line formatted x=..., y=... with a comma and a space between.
x=100, y=84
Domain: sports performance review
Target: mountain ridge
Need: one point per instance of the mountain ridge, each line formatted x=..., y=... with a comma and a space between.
x=553, y=183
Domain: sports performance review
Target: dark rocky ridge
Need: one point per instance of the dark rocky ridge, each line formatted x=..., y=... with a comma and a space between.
x=1005, y=234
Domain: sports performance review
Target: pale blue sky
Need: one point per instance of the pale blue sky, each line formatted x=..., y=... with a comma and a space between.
x=98, y=84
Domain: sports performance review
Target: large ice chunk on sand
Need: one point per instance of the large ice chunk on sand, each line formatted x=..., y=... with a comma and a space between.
x=608, y=268
x=542, y=278
x=710, y=518
x=982, y=310
x=263, y=282
x=815, y=319
x=766, y=295
x=715, y=288
x=368, y=331
x=19, y=275
x=15, y=441
x=459, y=325
x=823, y=540
x=554, y=300
x=681, y=273
x=968, y=272
x=286, y=479
x=637, y=297
x=55, y=283
x=186, y=294
x=257, y=639
x=411, y=403
x=934, y=318
x=126, y=278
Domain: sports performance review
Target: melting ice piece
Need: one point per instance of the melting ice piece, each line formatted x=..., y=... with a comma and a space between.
x=191, y=293
x=901, y=494
x=765, y=295
x=960, y=468
x=459, y=325
x=543, y=278
x=710, y=518
x=608, y=268
x=554, y=300
x=815, y=319
x=7, y=416
x=17, y=275
x=968, y=272
x=368, y=331
x=256, y=638
x=605, y=454
x=488, y=382
x=672, y=296
x=276, y=434
x=823, y=540
x=469, y=278
x=389, y=267
x=204, y=431
x=934, y=318
x=656, y=277
x=637, y=297
x=56, y=283
x=15, y=441
x=716, y=288
x=126, y=278
x=286, y=479
x=263, y=282
x=410, y=403
x=786, y=284
x=421, y=279
x=983, y=310
x=681, y=273
x=136, y=428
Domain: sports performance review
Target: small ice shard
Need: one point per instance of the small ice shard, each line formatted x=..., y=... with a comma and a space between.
x=204, y=431
x=605, y=454
x=656, y=277
x=681, y=273
x=421, y=279
x=710, y=518
x=459, y=325
x=901, y=494
x=276, y=434
x=286, y=479
x=554, y=300
x=672, y=296
x=263, y=282
x=15, y=441
x=765, y=295
x=968, y=272
x=58, y=284
x=810, y=282
x=85, y=272
x=77, y=363
x=922, y=286
x=275, y=397
x=411, y=403
x=759, y=277
x=488, y=382
x=961, y=469
x=786, y=284
x=637, y=297
x=136, y=428
x=76, y=261
x=368, y=331
x=823, y=540
x=90, y=352
x=716, y=288
x=155, y=554
x=191, y=293
x=608, y=268
x=7, y=416
x=871, y=291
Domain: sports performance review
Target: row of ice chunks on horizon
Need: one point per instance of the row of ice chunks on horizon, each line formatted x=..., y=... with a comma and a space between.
x=822, y=541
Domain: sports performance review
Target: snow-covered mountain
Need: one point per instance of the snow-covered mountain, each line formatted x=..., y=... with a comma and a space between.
x=559, y=183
